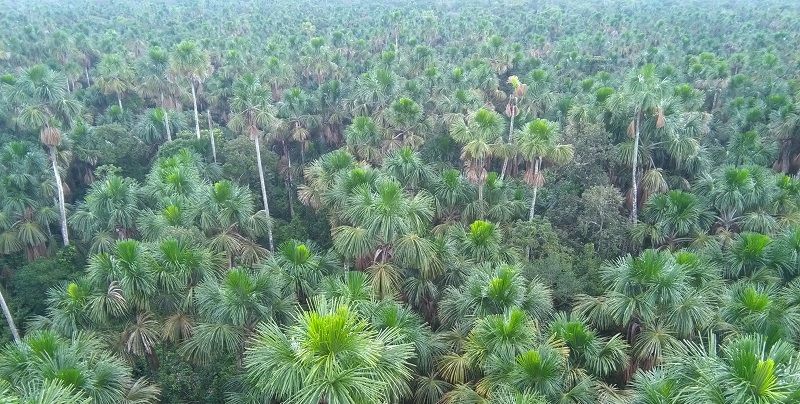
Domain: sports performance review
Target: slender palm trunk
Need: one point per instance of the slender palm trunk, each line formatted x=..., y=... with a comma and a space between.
x=211, y=136
x=152, y=360
x=59, y=186
x=481, y=183
x=166, y=118
x=290, y=185
x=536, y=168
x=510, y=140
x=9, y=318
x=264, y=192
x=302, y=155
x=119, y=101
x=196, y=116
x=634, y=186
x=88, y=82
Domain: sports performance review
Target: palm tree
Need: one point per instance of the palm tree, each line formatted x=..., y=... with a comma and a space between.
x=330, y=354
x=193, y=64
x=154, y=69
x=673, y=218
x=320, y=177
x=333, y=111
x=125, y=268
x=757, y=307
x=43, y=103
x=82, y=364
x=278, y=74
x=482, y=242
x=227, y=216
x=297, y=109
x=407, y=166
x=599, y=355
x=405, y=117
x=656, y=298
x=230, y=307
x=741, y=369
x=47, y=391
x=114, y=75
x=24, y=186
x=108, y=212
x=538, y=142
x=642, y=96
x=302, y=266
x=476, y=132
x=251, y=112
x=155, y=124
x=382, y=219
x=363, y=139
x=493, y=289
x=512, y=110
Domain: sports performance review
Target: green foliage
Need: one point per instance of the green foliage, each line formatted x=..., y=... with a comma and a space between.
x=29, y=281
x=406, y=201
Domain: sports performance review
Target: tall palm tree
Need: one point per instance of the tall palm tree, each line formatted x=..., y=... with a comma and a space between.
x=43, y=103
x=24, y=192
x=408, y=167
x=512, y=110
x=641, y=96
x=383, y=228
x=673, y=218
x=114, y=75
x=251, y=113
x=297, y=109
x=193, y=64
x=476, y=132
x=154, y=72
x=538, y=142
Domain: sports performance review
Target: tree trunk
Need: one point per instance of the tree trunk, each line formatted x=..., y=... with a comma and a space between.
x=9, y=318
x=119, y=102
x=510, y=140
x=61, y=208
x=634, y=186
x=166, y=118
x=536, y=168
x=264, y=192
x=481, y=183
x=211, y=136
x=152, y=360
x=290, y=185
x=196, y=116
x=88, y=82
x=302, y=155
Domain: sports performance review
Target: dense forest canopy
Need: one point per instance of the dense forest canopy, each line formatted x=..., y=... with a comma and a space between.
x=328, y=202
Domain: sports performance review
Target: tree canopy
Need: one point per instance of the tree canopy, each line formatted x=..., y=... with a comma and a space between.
x=485, y=202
